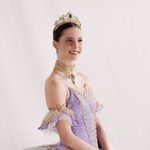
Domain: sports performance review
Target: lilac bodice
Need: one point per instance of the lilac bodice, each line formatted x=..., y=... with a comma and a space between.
x=80, y=113
x=83, y=122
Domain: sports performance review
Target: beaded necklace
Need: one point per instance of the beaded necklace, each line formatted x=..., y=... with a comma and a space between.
x=66, y=69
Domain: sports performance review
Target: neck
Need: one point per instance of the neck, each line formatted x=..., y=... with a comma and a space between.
x=66, y=62
x=64, y=67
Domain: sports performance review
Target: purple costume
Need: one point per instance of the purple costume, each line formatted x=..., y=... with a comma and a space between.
x=80, y=112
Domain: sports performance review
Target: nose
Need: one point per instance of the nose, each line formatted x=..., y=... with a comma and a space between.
x=76, y=44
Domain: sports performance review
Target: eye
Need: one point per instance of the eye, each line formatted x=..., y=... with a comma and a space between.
x=69, y=40
x=80, y=40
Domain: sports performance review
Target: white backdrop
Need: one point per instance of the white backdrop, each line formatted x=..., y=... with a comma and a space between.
x=116, y=58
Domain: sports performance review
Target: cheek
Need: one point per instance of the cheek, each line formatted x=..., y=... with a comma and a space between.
x=66, y=46
x=80, y=46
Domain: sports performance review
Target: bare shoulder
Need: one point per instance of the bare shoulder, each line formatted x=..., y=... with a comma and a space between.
x=54, y=80
x=55, y=90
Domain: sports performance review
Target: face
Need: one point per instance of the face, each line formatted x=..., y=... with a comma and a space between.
x=69, y=46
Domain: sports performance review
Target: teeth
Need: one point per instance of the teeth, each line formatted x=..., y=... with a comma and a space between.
x=75, y=52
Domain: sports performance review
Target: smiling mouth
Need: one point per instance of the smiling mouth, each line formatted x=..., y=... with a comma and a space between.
x=74, y=52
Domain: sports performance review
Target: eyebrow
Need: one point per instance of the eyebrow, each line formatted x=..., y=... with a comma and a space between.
x=72, y=38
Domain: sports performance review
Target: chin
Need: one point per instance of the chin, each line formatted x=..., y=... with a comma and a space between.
x=75, y=58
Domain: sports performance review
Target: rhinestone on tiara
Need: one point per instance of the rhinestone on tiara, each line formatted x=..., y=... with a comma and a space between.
x=68, y=18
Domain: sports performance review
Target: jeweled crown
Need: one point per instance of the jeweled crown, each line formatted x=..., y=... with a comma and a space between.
x=68, y=18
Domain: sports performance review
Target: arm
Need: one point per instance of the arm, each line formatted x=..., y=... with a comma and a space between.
x=56, y=94
x=101, y=136
x=70, y=140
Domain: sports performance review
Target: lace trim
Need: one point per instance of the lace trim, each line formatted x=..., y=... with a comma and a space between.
x=56, y=113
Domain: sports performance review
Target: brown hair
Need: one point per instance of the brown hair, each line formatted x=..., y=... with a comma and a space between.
x=58, y=33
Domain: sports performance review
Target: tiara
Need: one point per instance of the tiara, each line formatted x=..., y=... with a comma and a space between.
x=68, y=18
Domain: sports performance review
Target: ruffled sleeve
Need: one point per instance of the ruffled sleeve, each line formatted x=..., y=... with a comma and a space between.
x=99, y=106
x=56, y=113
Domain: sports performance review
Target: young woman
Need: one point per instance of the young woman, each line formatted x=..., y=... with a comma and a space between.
x=73, y=111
